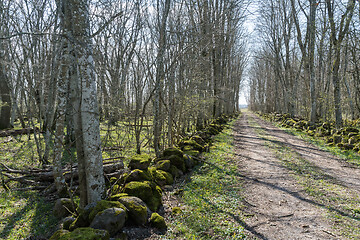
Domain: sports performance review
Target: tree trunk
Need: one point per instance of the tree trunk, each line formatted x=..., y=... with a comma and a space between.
x=84, y=100
x=5, y=108
x=312, y=26
x=160, y=77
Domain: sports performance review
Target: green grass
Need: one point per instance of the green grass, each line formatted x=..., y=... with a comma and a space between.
x=212, y=197
x=341, y=203
x=24, y=214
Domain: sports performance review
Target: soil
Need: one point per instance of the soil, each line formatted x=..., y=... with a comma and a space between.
x=276, y=204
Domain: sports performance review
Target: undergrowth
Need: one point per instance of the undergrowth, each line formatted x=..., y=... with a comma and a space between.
x=212, y=197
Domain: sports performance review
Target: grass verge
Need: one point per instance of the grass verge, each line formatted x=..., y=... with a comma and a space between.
x=342, y=203
x=24, y=214
x=212, y=197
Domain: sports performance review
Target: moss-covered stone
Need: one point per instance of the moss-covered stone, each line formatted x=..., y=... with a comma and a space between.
x=146, y=191
x=177, y=162
x=63, y=207
x=176, y=210
x=157, y=176
x=102, y=205
x=140, y=161
x=137, y=209
x=155, y=202
x=86, y=234
x=113, y=180
x=354, y=139
x=189, y=161
x=66, y=223
x=58, y=234
x=163, y=165
x=211, y=130
x=141, y=190
x=357, y=147
x=172, y=151
x=111, y=220
x=192, y=152
x=81, y=221
x=175, y=172
x=138, y=175
x=199, y=140
x=169, y=178
x=116, y=197
x=115, y=189
x=311, y=132
x=193, y=144
x=337, y=138
x=157, y=221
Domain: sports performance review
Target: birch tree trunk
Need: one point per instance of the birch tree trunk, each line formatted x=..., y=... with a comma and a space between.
x=84, y=99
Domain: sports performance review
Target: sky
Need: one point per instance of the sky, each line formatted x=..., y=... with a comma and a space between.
x=250, y=26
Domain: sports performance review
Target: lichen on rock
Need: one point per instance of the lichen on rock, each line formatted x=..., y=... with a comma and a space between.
x=157, y=221
x=140, y=161
x=137, y=209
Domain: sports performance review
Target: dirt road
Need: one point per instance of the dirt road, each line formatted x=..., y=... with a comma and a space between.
x=293, y=190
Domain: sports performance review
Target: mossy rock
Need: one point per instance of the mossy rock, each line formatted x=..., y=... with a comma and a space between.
x=146, y=191
x=63, y=207
x=115, y=189
x=140, y=161
x=354, y=139
x=83, y=219
x=351, y=130
x=141, y=190
x=163, y=165
x=340, y=145
x=348, y=146
x=211, y=130
x=193, y=144
x=155, y=202
x=110, y=219
x=326, y=125
x=175, y=172
x=113, y=180
x=138, y=175
x=357, y=147
x=345, y=139
x=189, y=161
x=86, y=234
x=199, y=140
x=137, y=209
x=329, y=140
x=337, y=138
x=177, y=162
x=169, y=178
x=172, y=151
x=157, y=176
x=218, y=127
x=192, y=152
x=66, y=222
x=311, y=133
x=58, y=234
x=157, y=221
x=102, y=205
x=176, y=210
x=116, y=197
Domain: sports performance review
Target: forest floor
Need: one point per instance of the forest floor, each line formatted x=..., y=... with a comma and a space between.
x=293, y=189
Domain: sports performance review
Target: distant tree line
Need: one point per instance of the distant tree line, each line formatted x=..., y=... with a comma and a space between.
x=307, y=62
